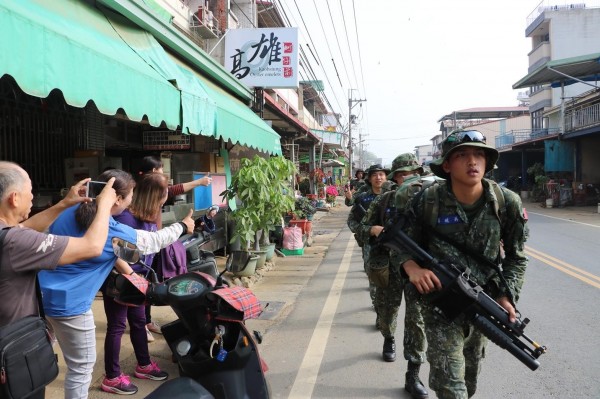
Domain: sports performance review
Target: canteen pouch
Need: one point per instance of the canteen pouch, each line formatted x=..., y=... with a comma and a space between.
x=380, y=276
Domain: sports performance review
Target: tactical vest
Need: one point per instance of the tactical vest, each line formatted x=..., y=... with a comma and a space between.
x=432, y=207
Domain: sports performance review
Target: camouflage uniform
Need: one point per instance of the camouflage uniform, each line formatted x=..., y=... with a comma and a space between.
x=361, y=233
x=456, y=349
x=363, y=188
x=364, y=199
x=388, y=300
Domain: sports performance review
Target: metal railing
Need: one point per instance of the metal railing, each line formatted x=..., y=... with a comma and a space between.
x=556, y=5
x=582, y=118
x=518, y=136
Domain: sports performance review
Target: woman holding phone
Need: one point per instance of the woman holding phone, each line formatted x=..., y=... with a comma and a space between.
x=68, y=292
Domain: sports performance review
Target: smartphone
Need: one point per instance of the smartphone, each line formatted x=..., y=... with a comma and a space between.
x=93, y=188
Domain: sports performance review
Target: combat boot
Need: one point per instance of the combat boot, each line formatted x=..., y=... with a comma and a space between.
x=413, y=383
x=389, y=350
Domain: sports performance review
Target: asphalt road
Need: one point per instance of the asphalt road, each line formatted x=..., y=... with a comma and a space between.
x=327, y=346
x=318, y=326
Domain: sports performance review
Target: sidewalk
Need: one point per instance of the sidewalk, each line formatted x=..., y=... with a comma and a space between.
x=582, y=214
x=276, y=286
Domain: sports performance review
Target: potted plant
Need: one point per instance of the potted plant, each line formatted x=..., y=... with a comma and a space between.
x=331, y=194
x=538, y=191
x=303, y=213
x=263, y=187
x=303, y=208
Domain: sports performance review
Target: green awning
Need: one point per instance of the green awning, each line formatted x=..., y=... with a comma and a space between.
x=71, y=46
x=236, y=122
x=197, y=108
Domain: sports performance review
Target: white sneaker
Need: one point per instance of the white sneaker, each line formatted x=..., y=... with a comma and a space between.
x=149, y=335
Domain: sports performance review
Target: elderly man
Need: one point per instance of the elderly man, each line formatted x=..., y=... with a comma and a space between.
x=25, y=250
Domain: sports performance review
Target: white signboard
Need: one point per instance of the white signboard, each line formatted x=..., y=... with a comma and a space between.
x=266, y=57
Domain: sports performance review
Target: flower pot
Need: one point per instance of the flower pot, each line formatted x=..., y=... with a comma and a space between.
x=270, y=248
x=250, y=268
x=262, y=257
x=235, y=245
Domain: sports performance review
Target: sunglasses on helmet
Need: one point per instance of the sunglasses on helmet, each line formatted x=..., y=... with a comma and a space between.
x=467, y=136
x=462, y=137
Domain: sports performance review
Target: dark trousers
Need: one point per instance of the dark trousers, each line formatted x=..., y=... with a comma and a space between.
x=116, y=316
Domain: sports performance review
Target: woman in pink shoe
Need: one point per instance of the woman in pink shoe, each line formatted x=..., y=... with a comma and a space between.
x=148, y=197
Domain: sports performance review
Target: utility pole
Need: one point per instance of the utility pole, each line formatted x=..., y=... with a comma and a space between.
x=351, y=104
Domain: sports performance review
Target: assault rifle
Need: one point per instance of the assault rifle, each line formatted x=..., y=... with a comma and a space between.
x=358, y=211
x=461, y=296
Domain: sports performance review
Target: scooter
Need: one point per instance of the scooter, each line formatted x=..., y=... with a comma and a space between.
x=216, y=355
x=198, y=260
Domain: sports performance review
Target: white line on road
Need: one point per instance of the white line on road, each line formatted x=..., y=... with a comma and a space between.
x=566, y=220
x=305, y=381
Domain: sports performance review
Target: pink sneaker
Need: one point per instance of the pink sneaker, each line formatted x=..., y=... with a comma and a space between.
x=151, y=372
x=119, y=385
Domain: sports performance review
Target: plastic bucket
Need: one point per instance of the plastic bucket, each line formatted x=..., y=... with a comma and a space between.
x=549, y=203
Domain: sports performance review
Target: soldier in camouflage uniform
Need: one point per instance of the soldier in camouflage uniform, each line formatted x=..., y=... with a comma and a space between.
x=376, y=177
x=355, y=186
x=469, y=214
x=406, y=173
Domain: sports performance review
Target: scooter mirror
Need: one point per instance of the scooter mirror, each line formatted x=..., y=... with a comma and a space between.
x=131, y=254
x=125, y=250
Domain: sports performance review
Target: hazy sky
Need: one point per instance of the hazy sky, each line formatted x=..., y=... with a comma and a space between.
x=420, y=61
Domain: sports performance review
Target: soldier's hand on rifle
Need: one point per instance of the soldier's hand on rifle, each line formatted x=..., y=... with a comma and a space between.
x=505, y=303
x=376, y=230
x=423, y=279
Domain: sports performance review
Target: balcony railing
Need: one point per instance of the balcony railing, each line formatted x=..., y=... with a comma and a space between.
x=582, y=118
x=522, y=135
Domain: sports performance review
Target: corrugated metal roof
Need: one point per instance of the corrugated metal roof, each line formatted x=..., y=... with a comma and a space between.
x=486, y=113
x=585, y=67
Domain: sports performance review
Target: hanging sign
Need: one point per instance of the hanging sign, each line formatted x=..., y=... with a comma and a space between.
x=265, y=57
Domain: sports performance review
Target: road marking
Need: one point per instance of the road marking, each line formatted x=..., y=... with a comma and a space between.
x=306, y=378
x=564, y=267
x=566, y=220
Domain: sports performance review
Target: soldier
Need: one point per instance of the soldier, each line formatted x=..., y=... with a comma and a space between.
x=353, y=186
x=475, y=214
x=406, y=173
x=376, y=177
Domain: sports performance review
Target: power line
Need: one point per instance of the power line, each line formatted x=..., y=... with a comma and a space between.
x=326, y=41
x=348, y=42
x=317, y=58
x=338, y=43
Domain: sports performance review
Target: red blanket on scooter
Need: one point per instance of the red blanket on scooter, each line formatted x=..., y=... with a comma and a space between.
x=237, y=304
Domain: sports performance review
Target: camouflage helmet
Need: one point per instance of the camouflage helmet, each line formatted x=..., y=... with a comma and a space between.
x=376, y=168
x=462, y=138
x=372, y=169
x=405, y=163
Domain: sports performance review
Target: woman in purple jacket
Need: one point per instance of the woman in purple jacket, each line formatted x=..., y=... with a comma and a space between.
x=149, y=196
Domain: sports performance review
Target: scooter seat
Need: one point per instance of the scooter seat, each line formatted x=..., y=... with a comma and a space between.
x=180, y=388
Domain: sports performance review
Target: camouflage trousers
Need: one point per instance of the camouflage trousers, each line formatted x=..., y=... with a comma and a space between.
x=455, y=352
x=372, y=287
x=387, y=302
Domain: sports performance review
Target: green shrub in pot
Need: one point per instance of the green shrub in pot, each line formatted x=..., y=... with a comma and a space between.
x=263, y=186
